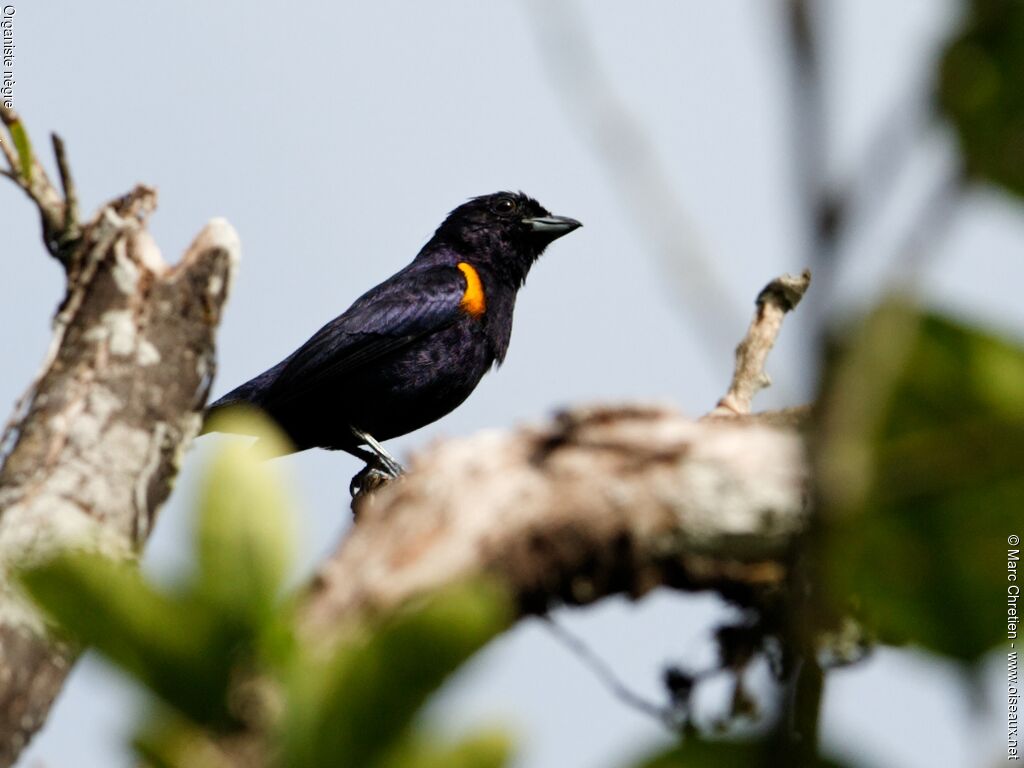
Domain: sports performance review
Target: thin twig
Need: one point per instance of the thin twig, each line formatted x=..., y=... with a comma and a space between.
x=931, y=222
x=824, y=210
x=67, y=182
x=796, y=729
x=603, y=671
x=885, y=156
x=806, y=705
x=647, y=192
x=36, y=184
x=777, y=298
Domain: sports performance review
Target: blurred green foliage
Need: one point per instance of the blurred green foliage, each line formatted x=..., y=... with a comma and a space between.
x=485, y=749
x=177, y=645
x=208, y=649
x=245, y=526
x=922, y=477
x=354, y=709
x=981, y=90
x=697, y=753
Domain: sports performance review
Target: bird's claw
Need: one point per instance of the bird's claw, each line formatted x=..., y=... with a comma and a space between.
x=381, y=468
x=368, y=480
x=389, y=466
x=383, y=461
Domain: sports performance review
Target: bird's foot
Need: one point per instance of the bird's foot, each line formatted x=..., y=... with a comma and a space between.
x=369, y=479
x=384, y=461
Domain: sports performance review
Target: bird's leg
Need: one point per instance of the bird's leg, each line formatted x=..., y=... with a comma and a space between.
x=384, y=460
x=381, y=467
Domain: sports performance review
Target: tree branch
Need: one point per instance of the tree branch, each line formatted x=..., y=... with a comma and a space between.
x=601, y=500
x=97, y=440
x=775, y=300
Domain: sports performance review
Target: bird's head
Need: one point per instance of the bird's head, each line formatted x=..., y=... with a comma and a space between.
x=504, y=232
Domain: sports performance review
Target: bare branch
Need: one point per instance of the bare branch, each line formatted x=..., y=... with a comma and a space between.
x=98, y=439
x=601, y=501
x=777, y=298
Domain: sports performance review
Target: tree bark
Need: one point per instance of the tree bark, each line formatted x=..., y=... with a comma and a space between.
x=96, y=442
x=605, y=500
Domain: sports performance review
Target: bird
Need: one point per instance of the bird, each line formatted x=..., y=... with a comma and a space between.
x=413, y=348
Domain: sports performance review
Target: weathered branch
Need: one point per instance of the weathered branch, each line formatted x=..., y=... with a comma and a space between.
x=97, y=440
x=775, y=300
x=602, y=500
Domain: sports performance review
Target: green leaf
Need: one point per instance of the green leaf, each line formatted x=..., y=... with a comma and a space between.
x=351, y=710
x=170, y=742
x=176, y=647
x=24, y=147
x=697, y=753
x=922, y=476
x=486, y=749
x=981, y=90
x=245, y=526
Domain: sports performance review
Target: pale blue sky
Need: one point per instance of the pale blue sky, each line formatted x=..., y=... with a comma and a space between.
x=336, y=136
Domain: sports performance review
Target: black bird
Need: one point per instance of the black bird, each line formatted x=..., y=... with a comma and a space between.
x=413, y=348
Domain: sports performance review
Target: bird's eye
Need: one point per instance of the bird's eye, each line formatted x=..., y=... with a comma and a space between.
x=504, y=205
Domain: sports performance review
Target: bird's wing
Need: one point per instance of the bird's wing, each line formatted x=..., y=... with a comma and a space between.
x=406, y=307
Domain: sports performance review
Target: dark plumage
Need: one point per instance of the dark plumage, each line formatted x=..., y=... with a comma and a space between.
x=413, y=348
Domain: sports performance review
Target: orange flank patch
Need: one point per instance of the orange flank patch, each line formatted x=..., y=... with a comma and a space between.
x=473, y=300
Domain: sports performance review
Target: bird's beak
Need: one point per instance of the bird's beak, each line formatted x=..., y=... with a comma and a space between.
x=552, y=227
